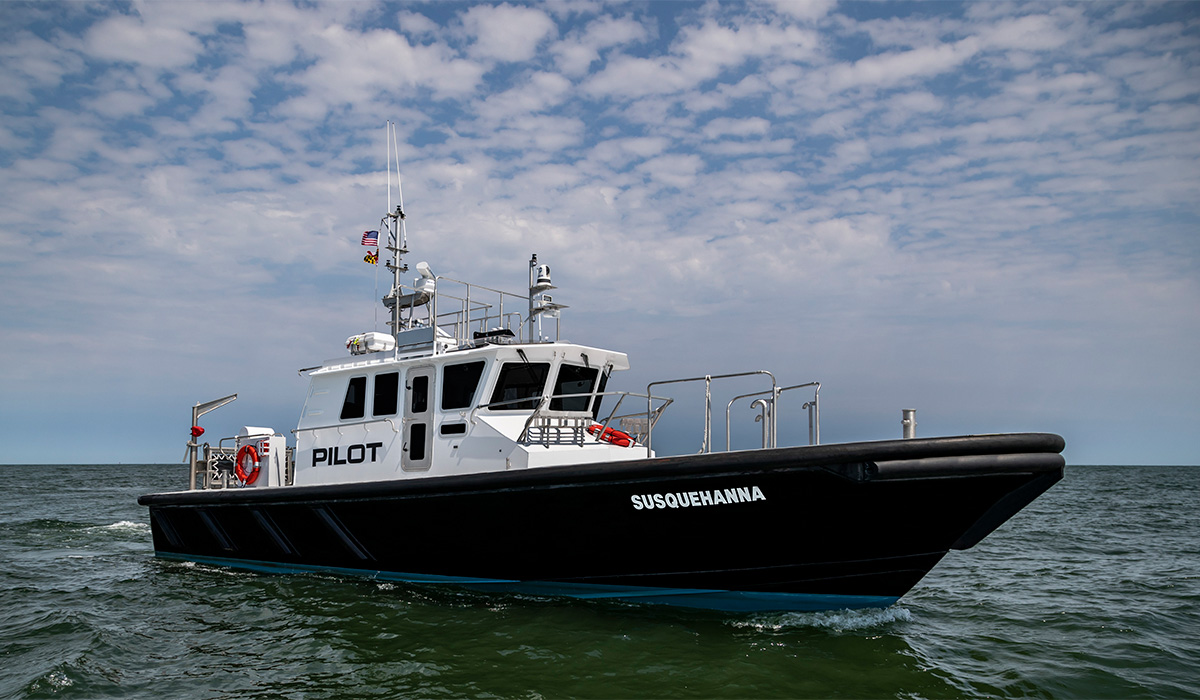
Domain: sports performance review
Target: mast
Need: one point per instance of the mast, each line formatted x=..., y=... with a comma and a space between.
x=397, y=235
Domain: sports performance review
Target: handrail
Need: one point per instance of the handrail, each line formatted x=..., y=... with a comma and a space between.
x=652, y=415
x=461, y=319
x=706, y=447
x=389, y=421
x=544, y=400
x=814, y=412
x=814, y=408
x=542, y=403
x=729, y=406
x=456, y=323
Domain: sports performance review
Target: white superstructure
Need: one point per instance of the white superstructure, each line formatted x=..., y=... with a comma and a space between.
x=385, y=416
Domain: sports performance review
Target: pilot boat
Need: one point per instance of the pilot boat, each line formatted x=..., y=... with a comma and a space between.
x=470, y=445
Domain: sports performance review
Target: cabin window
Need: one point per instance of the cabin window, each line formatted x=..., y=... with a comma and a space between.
x=416, y=442
x=355, y=405
x=573, y=379
x=420, y=393
x=459, y=383
x=519, y=380
x=386, y=386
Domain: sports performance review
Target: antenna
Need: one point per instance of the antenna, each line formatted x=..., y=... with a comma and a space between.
x=393, y=220
x=399, y=191
x=388, y=145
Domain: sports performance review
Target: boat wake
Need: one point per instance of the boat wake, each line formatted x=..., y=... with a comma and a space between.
x=835, y=620
x=124, y=526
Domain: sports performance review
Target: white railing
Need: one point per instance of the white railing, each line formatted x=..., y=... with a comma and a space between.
x=463, y=314
x=768, y=403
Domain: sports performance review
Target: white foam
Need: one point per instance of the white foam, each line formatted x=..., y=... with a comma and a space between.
x=58, y=679
x=836, y=620
x=123, y=526
x=128, y=525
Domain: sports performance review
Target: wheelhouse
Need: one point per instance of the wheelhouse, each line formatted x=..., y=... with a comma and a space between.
x=372, y=417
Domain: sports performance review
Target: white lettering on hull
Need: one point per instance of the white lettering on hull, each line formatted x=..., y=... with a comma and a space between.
x=688, y=499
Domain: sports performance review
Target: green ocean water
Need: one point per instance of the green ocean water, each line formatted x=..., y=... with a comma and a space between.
x=1091, y=592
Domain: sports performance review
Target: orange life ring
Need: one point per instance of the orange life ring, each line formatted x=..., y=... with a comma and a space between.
x=615, y=437
x=240, y=471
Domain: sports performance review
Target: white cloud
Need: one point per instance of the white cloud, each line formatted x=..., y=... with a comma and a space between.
x=413, y=23
x=701, y=53
x=32, y=63
x=725, y=126
x=506, y=32
x=126, y=39
x=252, y=153
x=579, y=50
x=354, y=67
x=803, y=9
x=541, y=91
x=901, y=67
x=619, y=152
x=1028, y=33
x=226, y=93
x=121, y=103
x=673, y=170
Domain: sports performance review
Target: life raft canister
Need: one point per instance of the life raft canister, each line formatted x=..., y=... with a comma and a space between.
x=615, y=437
x=252, y=476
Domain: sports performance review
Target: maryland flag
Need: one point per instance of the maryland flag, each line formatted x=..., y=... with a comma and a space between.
x=372, y=257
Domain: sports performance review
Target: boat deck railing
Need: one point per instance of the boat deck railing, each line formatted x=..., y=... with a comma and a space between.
x=576, y=413
x=547, y=425
x=767, y=401
x=464, y=314
x=215, y=468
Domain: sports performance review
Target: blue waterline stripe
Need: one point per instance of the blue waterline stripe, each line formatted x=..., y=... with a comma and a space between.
x=710, y=599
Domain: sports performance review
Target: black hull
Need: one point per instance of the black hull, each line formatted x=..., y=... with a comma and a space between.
x=832, y=526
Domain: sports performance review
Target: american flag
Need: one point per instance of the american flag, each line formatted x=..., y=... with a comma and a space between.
x=370, y=238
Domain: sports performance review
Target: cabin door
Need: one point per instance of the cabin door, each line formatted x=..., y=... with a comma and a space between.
x=418, y=419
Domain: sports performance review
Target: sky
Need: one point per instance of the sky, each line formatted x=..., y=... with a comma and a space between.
x=986, y=211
